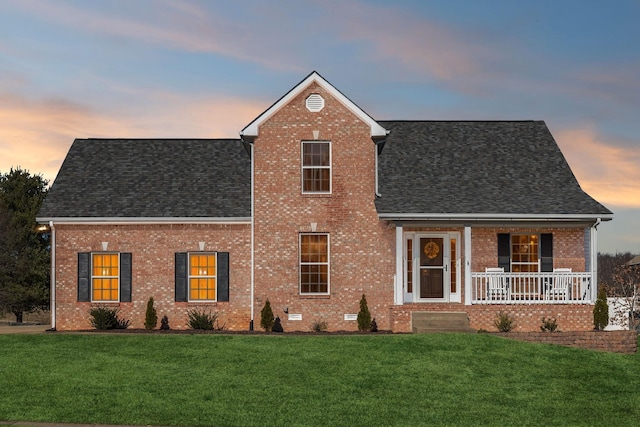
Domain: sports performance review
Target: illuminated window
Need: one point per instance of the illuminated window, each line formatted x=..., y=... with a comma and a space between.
x=203, y=275
x=314, y=263
x=524, y=252
x=316, y=167
x=105, y=277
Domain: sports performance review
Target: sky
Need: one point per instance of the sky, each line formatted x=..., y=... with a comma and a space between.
x=206, y=69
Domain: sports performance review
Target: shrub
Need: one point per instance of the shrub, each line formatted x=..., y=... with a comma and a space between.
x=374, y=325
x=504, y=322
x=277, y=326
x=105, y=318
x=266, y=317
x=364, y=317
x=203, y=320
x=164, y=323
x=319, y=326
x=151, y=317
x=601, y=311
x=549, y=324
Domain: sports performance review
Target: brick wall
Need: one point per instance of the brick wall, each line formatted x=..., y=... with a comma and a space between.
x=362, y=256
x=612, y=341
x=153, y=248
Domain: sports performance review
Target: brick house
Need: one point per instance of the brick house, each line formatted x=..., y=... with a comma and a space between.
x=316, y=204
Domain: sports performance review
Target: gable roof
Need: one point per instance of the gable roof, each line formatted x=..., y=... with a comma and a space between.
x=467, y=169
x=161, y=179
x=251, y=131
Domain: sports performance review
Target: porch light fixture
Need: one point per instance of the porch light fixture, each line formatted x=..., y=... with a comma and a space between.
x=105, y=246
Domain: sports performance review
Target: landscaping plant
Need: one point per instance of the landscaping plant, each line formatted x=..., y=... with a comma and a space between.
x=364, y=317
x=151, y=317
x=549, y=324
x=164, y=323
x=601, y=311
x=504, y=322
x=203, y=320
x=105, y=318
x=266, y=317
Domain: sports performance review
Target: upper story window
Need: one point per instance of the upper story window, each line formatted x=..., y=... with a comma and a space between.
x=316, y=167
x=105, y=277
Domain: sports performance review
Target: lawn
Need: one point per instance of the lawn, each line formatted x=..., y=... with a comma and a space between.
x=315, y=380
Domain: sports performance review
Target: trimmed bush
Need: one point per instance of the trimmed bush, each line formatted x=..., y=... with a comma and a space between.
x=151, y=316
x=266, y=317
x=364, y=317
x=105, y=318
x=504, y=322
x=549, y=324
x=277, y=326
x=374, y=325
x=164, y=323
x=319, y=326
x=601, y=311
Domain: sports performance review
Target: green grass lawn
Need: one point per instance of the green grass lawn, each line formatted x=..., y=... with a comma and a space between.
x=322, y=380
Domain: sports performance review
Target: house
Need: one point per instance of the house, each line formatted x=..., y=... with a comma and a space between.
x=317, y=204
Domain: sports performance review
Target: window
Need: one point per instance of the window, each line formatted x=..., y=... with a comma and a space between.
x=314, y=263
x=104, y=276
x=525, y=252
x=316, y=167
x=202, y=277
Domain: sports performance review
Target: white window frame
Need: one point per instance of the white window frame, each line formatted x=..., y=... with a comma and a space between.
x=303, y=167
x=513, y=263
x=327, y=263
x=189, y=276
x=117, y=276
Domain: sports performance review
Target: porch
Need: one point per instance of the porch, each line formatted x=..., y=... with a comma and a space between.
x=558, y=287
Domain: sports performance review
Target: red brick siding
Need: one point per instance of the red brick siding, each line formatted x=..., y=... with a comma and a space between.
x=153, y=248
x=362, y=249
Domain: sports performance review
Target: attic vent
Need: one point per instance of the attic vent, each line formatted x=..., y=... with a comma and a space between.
x=315, y=103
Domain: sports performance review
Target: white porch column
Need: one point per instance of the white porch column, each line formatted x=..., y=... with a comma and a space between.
x=398, y=293
x=467, y=265
x=594, y=260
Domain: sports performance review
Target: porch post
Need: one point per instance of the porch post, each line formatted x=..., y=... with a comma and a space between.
x=594, y=260
x=398, y=293
x=467, y=265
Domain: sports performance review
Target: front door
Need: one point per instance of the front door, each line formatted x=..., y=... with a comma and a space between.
x=432, y=267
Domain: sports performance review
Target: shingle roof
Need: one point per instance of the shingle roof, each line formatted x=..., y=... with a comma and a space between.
x=152, y=178
x=465, y=167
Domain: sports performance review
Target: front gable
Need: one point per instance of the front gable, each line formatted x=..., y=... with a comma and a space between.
x=314, y=103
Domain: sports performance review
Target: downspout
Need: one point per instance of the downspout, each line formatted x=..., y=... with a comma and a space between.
x=53, y=276
x=252, y=237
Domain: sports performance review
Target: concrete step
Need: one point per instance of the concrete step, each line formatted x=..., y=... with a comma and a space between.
x=429, y=322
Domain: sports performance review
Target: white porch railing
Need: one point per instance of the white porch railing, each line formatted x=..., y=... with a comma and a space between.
x=531, y=288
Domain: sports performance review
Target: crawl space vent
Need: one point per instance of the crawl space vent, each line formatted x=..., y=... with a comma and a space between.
x=315, y=103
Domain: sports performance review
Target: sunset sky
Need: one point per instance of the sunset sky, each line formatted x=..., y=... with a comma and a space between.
x=205, y=69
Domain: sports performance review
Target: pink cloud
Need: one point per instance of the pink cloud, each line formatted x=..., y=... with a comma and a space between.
x=608, y=172
x=36, y=134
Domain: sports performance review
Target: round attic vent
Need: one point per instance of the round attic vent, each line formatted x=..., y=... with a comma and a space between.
x=315, y=103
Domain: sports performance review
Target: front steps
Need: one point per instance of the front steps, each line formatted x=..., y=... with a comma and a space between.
x=424, y=322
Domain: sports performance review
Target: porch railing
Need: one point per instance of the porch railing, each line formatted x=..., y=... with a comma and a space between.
x=531, y=288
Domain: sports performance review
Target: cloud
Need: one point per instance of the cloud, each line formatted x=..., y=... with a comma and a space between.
x=35, y=134
x=605, y=168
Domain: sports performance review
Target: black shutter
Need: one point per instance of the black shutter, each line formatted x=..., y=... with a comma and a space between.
x=546, y=252
x=181, y=276
x=504, y=251
x=84, y=276
x=223, y=276
x=125, y=277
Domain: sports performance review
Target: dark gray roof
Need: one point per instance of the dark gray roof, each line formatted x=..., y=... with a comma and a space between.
x=470, y=167
x=124, y=178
